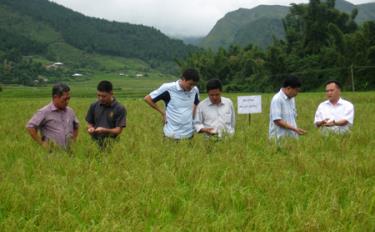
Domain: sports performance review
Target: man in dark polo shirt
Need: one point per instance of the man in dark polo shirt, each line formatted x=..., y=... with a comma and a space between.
x=106, y=117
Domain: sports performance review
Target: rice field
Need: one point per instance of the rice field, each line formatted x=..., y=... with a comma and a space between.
x=148, y=183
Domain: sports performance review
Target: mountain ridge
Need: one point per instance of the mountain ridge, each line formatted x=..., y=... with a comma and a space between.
x=237, y=25
x=50, y=23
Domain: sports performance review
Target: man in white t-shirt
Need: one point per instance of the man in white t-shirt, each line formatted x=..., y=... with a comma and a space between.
x=181, y=98
x=336, y=114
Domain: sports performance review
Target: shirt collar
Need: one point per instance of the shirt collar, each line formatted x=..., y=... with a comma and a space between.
x=178, y=86
x=112, y=103
x=339, y=102
x=212, y=104
x=54, y=108
x=283, y=95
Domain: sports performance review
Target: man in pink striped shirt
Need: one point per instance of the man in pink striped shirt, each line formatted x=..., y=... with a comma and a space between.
x=56, y=122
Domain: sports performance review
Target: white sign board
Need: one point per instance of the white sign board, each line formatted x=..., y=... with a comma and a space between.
x=249, y=104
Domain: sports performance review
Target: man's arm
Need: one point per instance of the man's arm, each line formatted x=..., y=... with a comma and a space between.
x=32, y=127
x=322, y=123
x=194, y=110
x=113, y=131
x=90, y=128
x=198, y=122
x=151, y=103
x=282, y=123
x=35, y=136
x=341, y=122
x=75, y=133
x=319, y=119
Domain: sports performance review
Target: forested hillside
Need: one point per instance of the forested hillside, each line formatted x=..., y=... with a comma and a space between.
x=39, y=30
x=260, y=24
x=321, y=43
x=240, y=21
x=98, y=35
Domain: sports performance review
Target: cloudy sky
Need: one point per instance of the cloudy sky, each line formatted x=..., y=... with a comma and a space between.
x=172, y=17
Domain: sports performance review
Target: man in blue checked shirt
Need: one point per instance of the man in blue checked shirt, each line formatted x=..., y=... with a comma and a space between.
x=283, y=111
x=180, y=98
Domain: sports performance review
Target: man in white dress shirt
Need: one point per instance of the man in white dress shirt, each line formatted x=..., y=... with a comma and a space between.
x=215, y=115
x=336, y=114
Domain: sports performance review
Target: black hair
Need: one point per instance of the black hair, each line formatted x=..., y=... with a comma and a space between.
x=336, y=83
x=190, y=74
x=59, y=89
x=105, y=86
x=292, y=81
x=214, y=84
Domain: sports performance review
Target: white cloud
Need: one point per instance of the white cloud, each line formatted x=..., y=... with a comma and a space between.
x=173, y=17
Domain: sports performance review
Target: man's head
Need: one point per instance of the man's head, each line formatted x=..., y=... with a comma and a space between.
x=189, y=79
x=104, y=92
x=333, y=90
x=291, y=86
x=60, y=95
x=214, y=88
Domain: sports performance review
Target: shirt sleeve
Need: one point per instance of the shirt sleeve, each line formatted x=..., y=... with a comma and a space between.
x=198, y=120
x=161, y=93
x=90, y=116
x=233, y=118
x=275, y=110
x=349, y=114
x=37, y=120
x=318, y=115
x=196, y=99
x=121, y=117
x=75, y=122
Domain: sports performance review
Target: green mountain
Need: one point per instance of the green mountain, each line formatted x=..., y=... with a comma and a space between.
x=226, y=29
x=366, y=12
x=55, y=33
x=260, y=24
x=266, y=28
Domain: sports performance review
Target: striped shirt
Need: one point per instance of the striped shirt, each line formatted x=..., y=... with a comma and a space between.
x=283, y=108
x=55, y=124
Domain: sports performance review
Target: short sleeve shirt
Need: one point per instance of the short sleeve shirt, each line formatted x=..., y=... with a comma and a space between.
x=179, y=109
x=107, y=116
x=55, y=124
x=342, y=110
x=283, y=108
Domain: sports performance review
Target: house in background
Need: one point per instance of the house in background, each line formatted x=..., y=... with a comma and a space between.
x=77, y=75
x=55, y=65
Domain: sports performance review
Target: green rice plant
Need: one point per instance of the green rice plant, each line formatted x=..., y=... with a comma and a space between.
x=146, y=182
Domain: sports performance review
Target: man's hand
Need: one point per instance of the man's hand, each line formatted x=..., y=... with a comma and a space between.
x=45, y=144
x=209, y=131
x=330, y=123
x=91, y=130
x=100, y=130
x=300, y=131
x=323, y=123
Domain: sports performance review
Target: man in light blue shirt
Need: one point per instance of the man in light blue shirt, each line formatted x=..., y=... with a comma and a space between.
x=180, y=98
x=283, y=111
